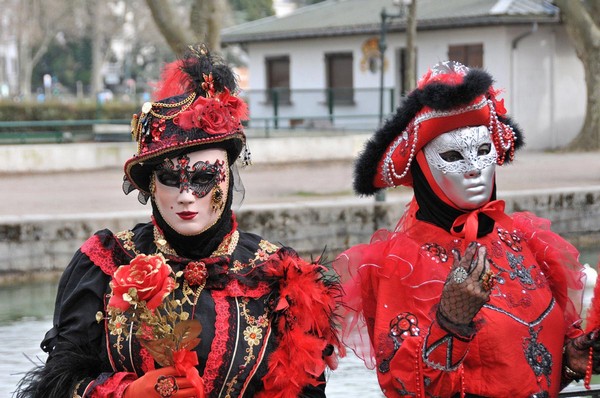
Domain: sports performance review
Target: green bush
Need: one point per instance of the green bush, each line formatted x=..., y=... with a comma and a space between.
x=52, y=110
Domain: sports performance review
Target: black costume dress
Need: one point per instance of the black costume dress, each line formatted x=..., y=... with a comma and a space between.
x=266, y=316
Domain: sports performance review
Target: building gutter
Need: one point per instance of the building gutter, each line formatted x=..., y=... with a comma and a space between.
x=513, y=68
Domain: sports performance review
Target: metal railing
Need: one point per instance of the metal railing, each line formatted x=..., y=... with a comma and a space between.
x=59, y=131
x=340, y=108
x=580, y=391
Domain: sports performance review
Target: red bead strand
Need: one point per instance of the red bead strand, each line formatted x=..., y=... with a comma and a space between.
x=588, y=369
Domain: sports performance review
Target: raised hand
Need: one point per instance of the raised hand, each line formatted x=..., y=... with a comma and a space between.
x=467, y=287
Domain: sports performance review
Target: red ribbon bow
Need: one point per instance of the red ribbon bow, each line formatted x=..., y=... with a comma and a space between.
x=470, y=221
x=185, y=363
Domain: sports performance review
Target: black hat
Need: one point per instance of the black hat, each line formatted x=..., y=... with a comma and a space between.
x=199, y=110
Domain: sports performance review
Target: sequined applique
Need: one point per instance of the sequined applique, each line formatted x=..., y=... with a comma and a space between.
x=523, y=301
x=511, y=239
x=402, y=326
x=158, y=128
x=538, y=357
x=435, y=252
x=518, y=271
x=403, y=391
x=496, y=249
x=228, y=245
x=536, y=354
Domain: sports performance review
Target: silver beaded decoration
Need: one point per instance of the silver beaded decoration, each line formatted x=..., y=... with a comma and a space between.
x=388, y=171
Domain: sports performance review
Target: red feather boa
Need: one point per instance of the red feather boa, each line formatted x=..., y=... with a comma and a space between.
x=305, y=326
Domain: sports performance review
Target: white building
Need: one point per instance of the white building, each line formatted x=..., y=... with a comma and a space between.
x=324, y=62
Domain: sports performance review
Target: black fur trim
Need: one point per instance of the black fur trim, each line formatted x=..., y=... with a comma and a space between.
x=442, y=97
x=365, y=166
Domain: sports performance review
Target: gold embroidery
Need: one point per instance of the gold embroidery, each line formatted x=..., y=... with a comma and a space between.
x=228, y=245
x=118, y=325
x=254, y=334
x=225, y=248
x=162, y=244
x=127, y=238
x=268, y=246
x=189, y=292
x=265, y=249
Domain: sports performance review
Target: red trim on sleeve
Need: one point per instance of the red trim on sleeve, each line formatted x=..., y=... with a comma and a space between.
x=100, y=255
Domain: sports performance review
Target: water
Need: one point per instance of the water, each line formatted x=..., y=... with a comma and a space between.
x=24, y=319
x=25, y=316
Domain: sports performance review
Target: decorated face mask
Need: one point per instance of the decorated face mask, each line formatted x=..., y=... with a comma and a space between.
x=190, y=191
x=462, y=163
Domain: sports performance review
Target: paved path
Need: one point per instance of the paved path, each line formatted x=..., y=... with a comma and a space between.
x=100, y=191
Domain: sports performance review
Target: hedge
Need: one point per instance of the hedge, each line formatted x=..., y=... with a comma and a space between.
x=54, y=110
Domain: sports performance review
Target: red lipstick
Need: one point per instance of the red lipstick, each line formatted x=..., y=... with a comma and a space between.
x=187, y=215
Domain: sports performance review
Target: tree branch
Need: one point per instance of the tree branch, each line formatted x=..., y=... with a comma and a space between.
x=581, y=26
x=177, y=37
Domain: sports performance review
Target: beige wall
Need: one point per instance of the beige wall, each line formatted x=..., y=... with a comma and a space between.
x=39, y=245
x=96, y=155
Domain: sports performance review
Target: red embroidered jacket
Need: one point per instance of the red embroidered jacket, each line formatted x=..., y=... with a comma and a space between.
x=396, y=285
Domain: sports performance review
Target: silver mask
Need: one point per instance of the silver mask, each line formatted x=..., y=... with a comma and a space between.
x=463, y=164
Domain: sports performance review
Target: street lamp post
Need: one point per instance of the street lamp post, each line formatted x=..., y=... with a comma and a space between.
x=385, y=17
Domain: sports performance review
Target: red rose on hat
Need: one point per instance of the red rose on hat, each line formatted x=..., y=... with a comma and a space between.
x=215, y=115
x=145, y=278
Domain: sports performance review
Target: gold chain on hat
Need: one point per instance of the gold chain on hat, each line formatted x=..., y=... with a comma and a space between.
x=184, y=104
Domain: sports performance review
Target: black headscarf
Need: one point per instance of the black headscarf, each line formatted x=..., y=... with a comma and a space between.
x=202, y=245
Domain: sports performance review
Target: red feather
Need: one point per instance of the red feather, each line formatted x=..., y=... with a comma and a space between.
x=305, y=327
x=173, y=81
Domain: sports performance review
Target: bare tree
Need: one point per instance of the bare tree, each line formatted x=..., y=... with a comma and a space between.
x=202, y=22
x=36, y=24
x=582, y=21
x=97, y=14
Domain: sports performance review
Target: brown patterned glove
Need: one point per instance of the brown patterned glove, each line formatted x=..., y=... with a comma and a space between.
x=467, y=287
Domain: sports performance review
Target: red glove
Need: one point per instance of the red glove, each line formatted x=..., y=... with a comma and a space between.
x=163, y=382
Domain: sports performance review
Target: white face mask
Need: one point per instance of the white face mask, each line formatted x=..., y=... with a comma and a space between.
x=185, y=190
x=463, y=163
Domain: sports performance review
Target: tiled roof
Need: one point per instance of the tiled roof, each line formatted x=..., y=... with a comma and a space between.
x=344, y=17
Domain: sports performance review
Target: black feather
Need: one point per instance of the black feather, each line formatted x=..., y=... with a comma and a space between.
x=67, y=365
x=198, y=62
